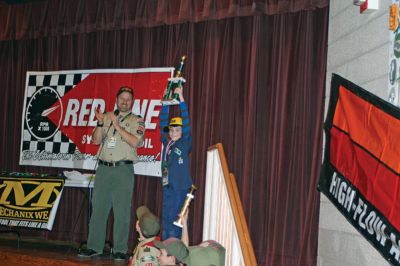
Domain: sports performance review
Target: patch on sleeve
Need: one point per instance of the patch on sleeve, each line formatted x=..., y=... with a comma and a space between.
x=141, y=126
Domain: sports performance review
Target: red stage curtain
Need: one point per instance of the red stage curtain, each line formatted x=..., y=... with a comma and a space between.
x=43, y=18
x=255, y=83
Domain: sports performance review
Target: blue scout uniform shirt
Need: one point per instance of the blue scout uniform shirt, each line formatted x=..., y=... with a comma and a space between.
x=178, y=154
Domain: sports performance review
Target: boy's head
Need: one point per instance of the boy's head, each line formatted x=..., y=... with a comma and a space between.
x=149, y=223
x=172, y=250
x=174, y=128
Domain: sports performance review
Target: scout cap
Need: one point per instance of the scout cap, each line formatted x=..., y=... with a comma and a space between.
x=202, y=256
x=174, y=122
x=125, y=89
x=174, y=247
x=148, y=222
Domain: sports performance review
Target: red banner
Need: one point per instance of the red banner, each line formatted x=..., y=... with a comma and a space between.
x=59, y=115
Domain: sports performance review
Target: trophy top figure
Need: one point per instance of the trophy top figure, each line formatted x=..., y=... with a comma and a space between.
x=178, y=72
x=171, y=98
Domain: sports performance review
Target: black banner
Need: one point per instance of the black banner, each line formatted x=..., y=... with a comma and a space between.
x=29, y=201
x=360, y=171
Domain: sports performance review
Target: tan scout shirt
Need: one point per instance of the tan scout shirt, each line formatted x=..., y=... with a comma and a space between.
x=122, y=150
x=144, y=255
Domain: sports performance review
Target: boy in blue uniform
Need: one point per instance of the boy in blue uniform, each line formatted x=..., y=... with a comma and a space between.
x=177, y=142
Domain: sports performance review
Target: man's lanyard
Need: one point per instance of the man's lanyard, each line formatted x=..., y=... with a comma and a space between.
x=128, y=114
x=122, y=120
x=170, y=143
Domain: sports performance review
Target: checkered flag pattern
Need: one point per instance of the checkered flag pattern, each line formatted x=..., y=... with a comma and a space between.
x=62, y=83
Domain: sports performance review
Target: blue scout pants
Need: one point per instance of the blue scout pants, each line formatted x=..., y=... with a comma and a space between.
x=172, y=203
x=113, y=189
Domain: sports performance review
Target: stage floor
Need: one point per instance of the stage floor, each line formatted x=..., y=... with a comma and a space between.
x=34, y=251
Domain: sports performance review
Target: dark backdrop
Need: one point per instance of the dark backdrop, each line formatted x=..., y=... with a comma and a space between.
x=256, y=75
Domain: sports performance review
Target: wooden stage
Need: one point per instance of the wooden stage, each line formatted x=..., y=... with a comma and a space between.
x=35, y=251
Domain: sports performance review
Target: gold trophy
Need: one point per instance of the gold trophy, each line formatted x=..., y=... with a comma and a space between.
x=185, y=207
x=171, y=98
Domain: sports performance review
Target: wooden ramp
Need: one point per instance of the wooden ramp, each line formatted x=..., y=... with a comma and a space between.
x=224, y=219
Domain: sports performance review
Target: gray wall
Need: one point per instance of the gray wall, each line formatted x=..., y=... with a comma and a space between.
x=358, y=50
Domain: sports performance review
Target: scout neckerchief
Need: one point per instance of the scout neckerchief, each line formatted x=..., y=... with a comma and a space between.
x=164, y=166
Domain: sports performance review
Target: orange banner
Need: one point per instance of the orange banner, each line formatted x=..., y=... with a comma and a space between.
x=369, y=127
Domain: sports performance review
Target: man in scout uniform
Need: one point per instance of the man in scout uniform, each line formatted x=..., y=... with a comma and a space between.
x=119, y=134
x=176, y=179
x=148, y=227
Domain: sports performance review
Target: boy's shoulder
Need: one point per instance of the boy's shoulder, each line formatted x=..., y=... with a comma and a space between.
x=147, y=254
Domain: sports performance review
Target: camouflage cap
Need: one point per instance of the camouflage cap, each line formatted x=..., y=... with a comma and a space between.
x=148, y=222
x=125, y=89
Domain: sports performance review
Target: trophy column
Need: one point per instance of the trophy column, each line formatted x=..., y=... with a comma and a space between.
x=169, y=97
x=189, y=197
